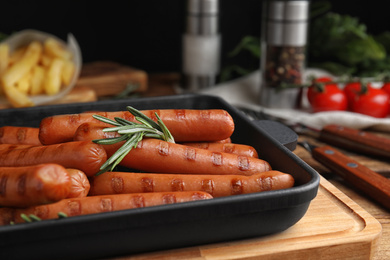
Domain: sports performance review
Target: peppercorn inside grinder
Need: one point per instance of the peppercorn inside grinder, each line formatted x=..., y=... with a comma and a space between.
x=283, y=47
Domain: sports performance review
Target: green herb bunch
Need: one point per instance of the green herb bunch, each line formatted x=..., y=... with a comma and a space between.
x=339, y=44
x=131, y=133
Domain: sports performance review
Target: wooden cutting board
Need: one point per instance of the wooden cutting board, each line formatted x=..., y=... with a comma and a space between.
x=108, y=78
x=334, y=227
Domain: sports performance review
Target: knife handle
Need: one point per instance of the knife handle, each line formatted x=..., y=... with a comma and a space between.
x=356, y=140
x=371, y=183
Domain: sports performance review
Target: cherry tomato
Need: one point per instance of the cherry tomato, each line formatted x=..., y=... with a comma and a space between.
x=386, y=87
x=351, y=90
x=367, y=100
x=323, y=95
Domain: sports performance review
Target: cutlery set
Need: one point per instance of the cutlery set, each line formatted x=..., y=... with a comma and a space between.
x=371, y=183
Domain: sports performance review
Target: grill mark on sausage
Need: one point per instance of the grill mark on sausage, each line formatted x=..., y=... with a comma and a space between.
x=21, y=134
x=138, y=201
x=198, y=196
x=217, y=159
x=3, y=185
x=40, y=151
x=147, y=184
x=1, y=132
x=180, y=114
x=163, y=148
x=243, y=163
x=74, y=119
x=106, y=204
x=169, y=199
x=128, y=116
x=5, y=155
x=266, y=183
x=74, y=208
x=177, y=185
x=190, y=154
x=42, y=212
x=236, y=186
x=205, y=114
x=12, y=147
x=48, y=120
x=203, y=145
x=61, y=147
x=208, y=186
x=228, y=148
x=100, y=113
x=21, y=184
x=117, y=184
x=85, y=128
x=22, y=154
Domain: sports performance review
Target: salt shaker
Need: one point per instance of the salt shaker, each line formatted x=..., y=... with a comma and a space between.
x=201, y=45
x=283, y=59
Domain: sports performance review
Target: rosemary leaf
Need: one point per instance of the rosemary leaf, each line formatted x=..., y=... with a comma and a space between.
x=106, y=120
x=139, y=114
x=112, y=140
x=138, y=130
x=136, y=127
x=25, y=218
x=143, y=121
x=113, y=129
x=123, y=121
x=62, y=215
x=34, y=217
x=155, y=136
x=166, y=133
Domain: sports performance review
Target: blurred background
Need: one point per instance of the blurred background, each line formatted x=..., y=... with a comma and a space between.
x=147, y=34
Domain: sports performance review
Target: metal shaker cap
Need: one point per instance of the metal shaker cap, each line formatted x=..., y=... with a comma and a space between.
x=286, y=22
x=199, y=7
x=288, y=10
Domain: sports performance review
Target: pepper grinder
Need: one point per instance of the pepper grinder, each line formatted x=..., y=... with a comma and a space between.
x=283, y=48
x=201, y=45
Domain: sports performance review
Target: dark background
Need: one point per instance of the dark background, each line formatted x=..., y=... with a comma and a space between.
x=146, y=34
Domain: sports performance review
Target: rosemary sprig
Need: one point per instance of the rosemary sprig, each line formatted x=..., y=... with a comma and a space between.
x=34, y=218
x=132, y=133
x=62, y=215
x=30, y=218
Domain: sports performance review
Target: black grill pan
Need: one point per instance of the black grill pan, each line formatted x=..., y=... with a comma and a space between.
x=169, y=226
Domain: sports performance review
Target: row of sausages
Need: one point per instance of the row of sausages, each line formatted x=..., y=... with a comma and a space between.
x=202, y=164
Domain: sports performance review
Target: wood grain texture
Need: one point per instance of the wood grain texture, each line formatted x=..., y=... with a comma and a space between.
x=371, y=183
x=356, y=140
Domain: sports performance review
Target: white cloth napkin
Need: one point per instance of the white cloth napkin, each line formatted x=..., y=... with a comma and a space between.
x=244, y=92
